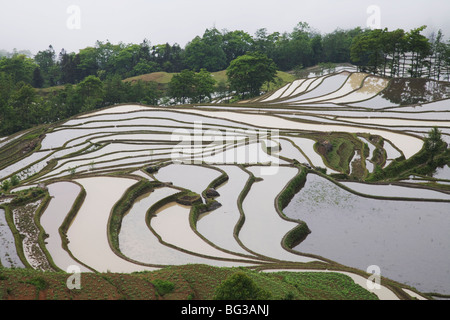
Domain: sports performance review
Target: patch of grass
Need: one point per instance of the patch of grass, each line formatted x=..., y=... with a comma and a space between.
x=125, y=204
x=39, y=282
x=337, y=152
x=163, y=287
x=239, y=286
x=185, y=282
x=160, y=77
x=326, y=286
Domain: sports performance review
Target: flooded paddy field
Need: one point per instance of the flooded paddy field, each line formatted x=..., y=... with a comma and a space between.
x=407, y=240
x=133, y=188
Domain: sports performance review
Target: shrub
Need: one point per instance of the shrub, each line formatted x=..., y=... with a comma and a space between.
x=15, y=180
x=6, y=185
x=163, y=287
x=239, y=286
x=39, y=283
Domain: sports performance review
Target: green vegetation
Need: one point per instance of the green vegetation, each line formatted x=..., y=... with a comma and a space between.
x=46, y=89
x=434, y=154
x=317, y=285
x=247, y=74
x=124, y=205
x=292, y=188
x=199, y=282
x=381, y=50
x=163, y=287
x=94, y=77
x=188, y=86
x=239, y=286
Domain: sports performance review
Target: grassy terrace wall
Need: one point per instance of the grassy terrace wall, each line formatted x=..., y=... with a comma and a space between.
x=422, y=163
x=300, y=232
x=19, y=148
x=124, y=205
x=32, y=229
x=68, y=221
x=240, y=200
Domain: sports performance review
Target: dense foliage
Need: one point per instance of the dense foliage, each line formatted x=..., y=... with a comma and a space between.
x=247, y=74
x=214, y=51
x=240, y=286
x=93, y=77
x=189, y=86
x=22, y=107
x=398, y=53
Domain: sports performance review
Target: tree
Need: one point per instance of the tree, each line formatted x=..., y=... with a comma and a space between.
x=142, y=92
x=204, y=86
x=395, y=44
x=24, y=107
x=265, y=43
x=235, y=44
x=124, y=61
x=38, y=80
x=188, y=86
x=181, y=86
x=239, y=286
x=439, y=50
x=68, y=64
x=47, y=63
x=420, y=47
x=248, y=73
x=367, y=50
x=91, y=91
x=206, y=52
x=434, y=142
x=88, y=62
x=20, y=68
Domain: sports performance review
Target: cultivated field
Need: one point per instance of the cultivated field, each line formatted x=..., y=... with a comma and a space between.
x=327, y=173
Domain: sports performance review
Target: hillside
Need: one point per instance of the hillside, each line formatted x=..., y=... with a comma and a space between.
x=346, y=159
x=163, y=78
x=188, y=282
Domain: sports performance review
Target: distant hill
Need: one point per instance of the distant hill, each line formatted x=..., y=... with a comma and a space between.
x=165, y=77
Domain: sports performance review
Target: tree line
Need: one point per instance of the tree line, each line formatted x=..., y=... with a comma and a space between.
x=22, y=106
x=93, y=77
x=213, y=51
x=393, y=53
x=402, y=54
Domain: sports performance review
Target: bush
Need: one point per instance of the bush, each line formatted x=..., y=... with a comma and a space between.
x=163, y=287
x=39, y=283
x=239, y=286
x=15, y=180
x=6, y=185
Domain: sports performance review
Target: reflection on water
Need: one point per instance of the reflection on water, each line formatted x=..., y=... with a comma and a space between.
x=408, y=240
x=414, y=91
x=191, y=177
x=218, y=225
x=263, y=228
x=442, y=173
x=171, y=223
x=88, y=232
x=63, y=197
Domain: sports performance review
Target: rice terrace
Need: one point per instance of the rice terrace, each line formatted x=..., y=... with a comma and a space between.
x=331, y=185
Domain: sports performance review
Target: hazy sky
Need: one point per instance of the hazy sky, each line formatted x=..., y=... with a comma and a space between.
x=75, y=24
